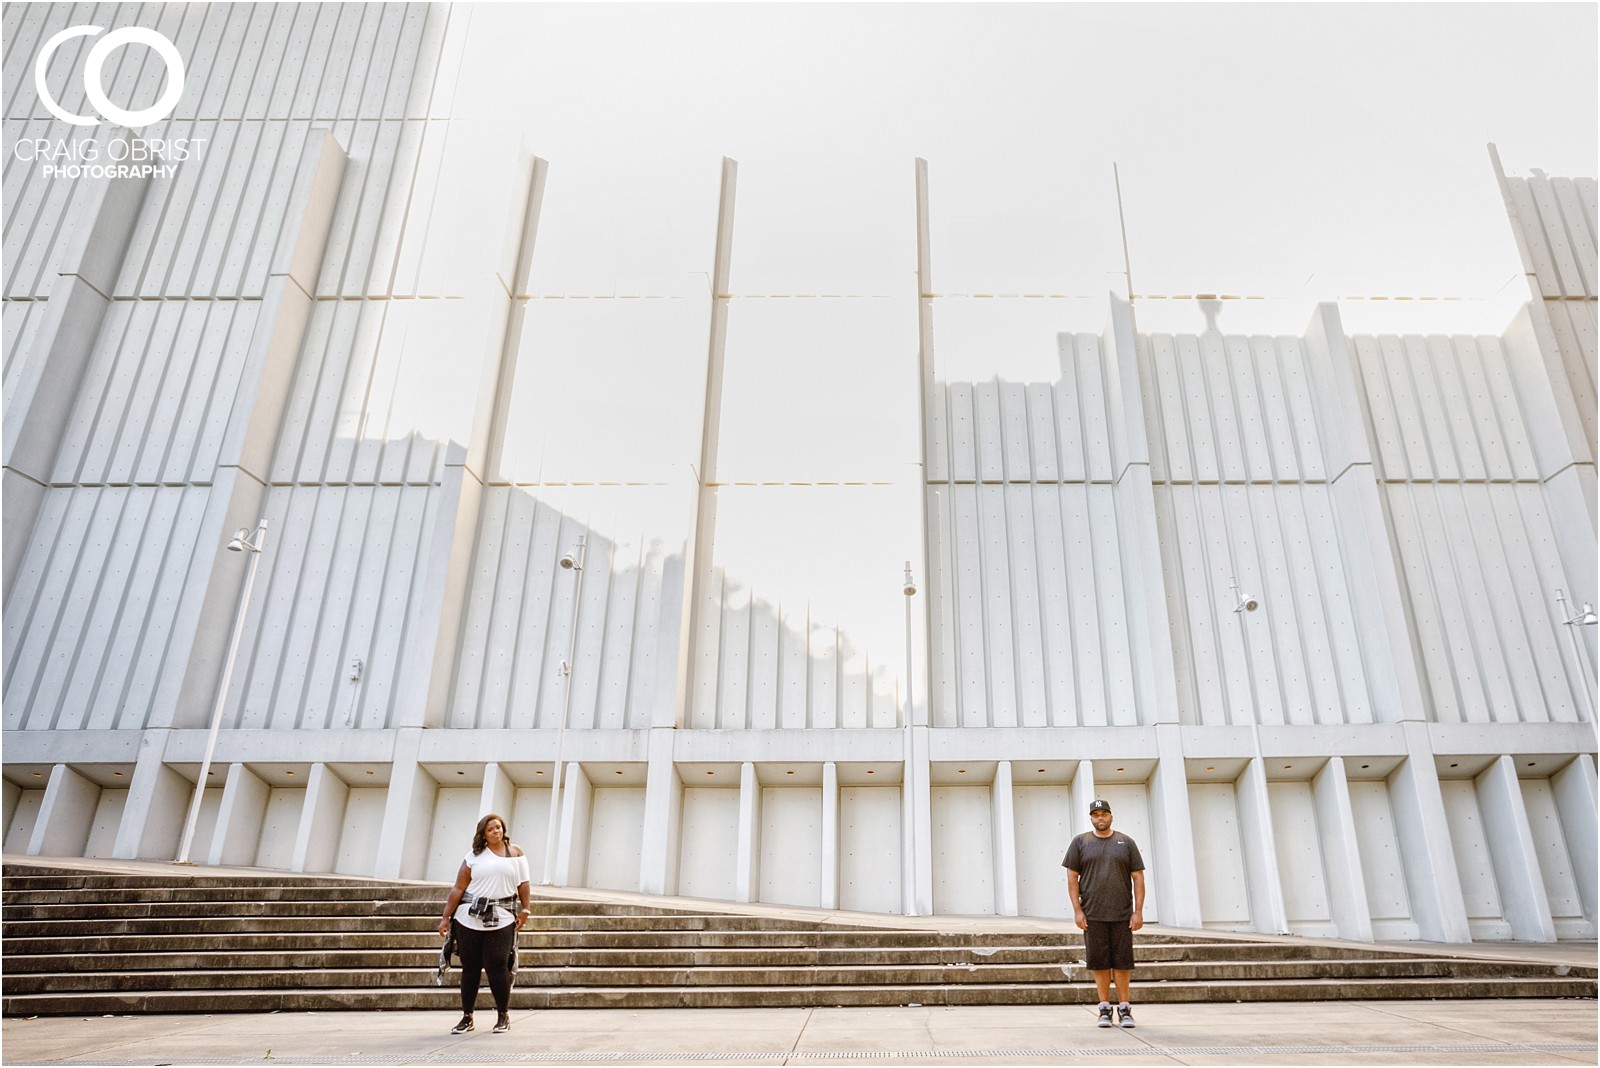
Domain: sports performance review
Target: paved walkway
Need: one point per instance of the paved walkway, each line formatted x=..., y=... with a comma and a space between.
x=1540, y=1032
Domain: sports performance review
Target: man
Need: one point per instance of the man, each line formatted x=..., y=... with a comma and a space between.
x=1101, y=865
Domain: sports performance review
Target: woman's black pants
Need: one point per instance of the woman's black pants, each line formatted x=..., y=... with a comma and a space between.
x=481, y=950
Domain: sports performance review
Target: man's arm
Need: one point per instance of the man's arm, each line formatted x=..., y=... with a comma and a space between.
x=1077, y=906
x=1137, y=920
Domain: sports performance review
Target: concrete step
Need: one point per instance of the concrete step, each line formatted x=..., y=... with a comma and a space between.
x=82, y=943
x=246, y=978
x=445, y=999
x=136, y=953
x=423, y=914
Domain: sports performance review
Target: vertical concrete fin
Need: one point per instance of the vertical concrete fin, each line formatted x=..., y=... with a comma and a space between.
x=316, y=841
x=1516, y=861
x=1430, y=863
x=1388, y=644
x=928, y=626
x=194, y=663
x=829, y=898
x=1003, y=817
x=41, y=395
x=1177, y=889
x=663, y=804
x=1143, y=572
x=698, y=546
x=1341, y=857
x=747, y=861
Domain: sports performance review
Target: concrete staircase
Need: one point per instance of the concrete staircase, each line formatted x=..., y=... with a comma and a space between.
x=82, y=942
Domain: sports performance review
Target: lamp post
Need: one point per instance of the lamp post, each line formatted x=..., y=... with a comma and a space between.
x=570, y=562
x=253, y=542
x=908, y=586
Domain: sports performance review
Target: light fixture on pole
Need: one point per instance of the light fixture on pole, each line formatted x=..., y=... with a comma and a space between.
x=572, y=561
x=1585, y=617
x=252, y=542
x=1243, y=602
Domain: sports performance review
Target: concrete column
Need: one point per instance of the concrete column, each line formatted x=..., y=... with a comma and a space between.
x=1341, y=857
x=237, y=832
x=663, y=817
x=1516, y=862
x=1431, y=877
x=1268, y=913
x=152, y=819
x=1576, y=801
x=1176, y=889
x=1082, y=796
x=830, y=836
x=572, y=842
x=66, y=815
x=499, y=792
x=747, y=863
x=1003, y=817
x=316, y=840
x=922, y=823
x=407, y=811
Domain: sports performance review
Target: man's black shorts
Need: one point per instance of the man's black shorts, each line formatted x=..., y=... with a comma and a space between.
x=1108, y=944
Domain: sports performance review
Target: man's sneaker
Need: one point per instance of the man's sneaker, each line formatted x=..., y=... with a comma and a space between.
x=1124, y=1015
x=1105, y=1014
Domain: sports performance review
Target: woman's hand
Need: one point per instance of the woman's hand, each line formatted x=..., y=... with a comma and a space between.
x=444, y=927
x=522, y=917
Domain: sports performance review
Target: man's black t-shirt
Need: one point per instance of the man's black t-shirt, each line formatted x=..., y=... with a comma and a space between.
x=1105, y=868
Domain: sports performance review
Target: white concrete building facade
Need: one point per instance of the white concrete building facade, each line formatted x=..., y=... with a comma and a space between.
x=1397, y=742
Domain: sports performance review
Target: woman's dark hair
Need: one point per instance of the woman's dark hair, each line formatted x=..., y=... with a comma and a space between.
x=480, y=840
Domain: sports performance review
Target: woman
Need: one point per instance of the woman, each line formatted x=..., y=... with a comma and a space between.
x=493, y=877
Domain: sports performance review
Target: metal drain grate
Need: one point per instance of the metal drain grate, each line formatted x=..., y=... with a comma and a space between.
x=503, y=1056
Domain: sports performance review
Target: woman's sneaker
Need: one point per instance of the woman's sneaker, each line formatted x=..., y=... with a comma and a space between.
x=1105, y=1014
x=465, y=1025
x=1124, y=1015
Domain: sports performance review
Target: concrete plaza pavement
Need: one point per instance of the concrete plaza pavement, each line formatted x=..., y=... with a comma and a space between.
x=1521, y=1032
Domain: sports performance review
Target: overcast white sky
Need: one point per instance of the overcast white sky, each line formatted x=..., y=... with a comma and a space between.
x=1295, y=152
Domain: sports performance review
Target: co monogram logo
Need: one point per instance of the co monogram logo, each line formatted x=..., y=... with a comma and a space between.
x=93, y=76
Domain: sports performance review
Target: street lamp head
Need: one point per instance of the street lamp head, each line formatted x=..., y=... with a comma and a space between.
x=240, y=539
x=1244, y=602
x=909, y=585
x=569, y=562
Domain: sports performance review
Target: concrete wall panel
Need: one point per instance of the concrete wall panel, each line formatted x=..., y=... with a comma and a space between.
x=616, y=829
x=963, y=851
x=1219, y=856
x=279, y=826
x=357, y=850
x=869, y=847
x=790, y=846
x=708, y=863
x=1045, y=827
x=1382, y=872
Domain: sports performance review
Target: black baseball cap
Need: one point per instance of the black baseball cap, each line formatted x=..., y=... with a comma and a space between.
x=1099, y=806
